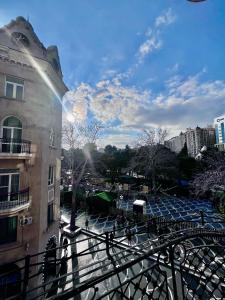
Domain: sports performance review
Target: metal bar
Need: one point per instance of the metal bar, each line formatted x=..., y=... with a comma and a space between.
x=26, y=275
x=171, y=255
x=22, y=146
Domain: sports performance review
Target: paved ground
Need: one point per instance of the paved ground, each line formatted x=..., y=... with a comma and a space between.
x=172, y=208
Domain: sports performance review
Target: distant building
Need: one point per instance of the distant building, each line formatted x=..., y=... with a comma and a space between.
x=198, y=137
x=101, y=150
x=176, y=143
x=219, y=124
x=31, y=87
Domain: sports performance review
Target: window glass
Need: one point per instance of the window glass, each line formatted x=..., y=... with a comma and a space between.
x=50, y=213
x=4, y=180
x=15, y=183
x=7, y=133
x=19, y=92
x=9, y=187
x=14, y=88
x=8, y=232
x=12, y=122
x=51, y=175
x=52, y=138
x=4, y=187
x=9, y=90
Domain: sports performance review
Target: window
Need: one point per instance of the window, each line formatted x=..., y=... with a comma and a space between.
x=50, y=213
x=11, y=134
x=51, y=175
x=52, y=138
x=9, y=185
x=14, y=88
x=8, y=232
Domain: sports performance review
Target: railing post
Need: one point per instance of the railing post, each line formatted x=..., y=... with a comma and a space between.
x=26, y=275
x=202, y=217
x=171, y=255
x=107, y=243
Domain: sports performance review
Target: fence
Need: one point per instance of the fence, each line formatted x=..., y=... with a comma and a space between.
x=14, y=146
x=12, y=200
x=186, y=264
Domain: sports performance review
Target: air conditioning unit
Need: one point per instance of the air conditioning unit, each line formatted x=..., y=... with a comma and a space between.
x=26, y=220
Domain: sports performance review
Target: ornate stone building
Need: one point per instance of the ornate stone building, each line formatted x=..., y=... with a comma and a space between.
x=31, y=88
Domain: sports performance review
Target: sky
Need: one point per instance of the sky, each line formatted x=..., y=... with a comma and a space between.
x=134, y=64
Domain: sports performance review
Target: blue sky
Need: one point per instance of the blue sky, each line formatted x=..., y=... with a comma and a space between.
x=134, y=64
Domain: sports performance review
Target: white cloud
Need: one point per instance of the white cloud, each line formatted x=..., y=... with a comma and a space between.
x=165, y=19
x=151, y=44
x=77, y=101
x=185, y=102
x=154, y=40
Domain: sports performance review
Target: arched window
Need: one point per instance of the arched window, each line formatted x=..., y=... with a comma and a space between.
x=11, y=135
x=12, y=122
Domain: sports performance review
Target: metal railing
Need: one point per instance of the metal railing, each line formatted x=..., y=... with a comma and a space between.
x=15, y=146
x=187, y=265
x=13, y=200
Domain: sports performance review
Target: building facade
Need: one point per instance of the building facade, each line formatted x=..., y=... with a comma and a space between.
x=219, y=124
x=198, y=137
x=176, y=143
x=31, y=88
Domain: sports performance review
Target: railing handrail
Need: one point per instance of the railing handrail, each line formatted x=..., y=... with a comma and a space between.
x=20, y=192
x=15, y=140
x=22, y=198
x=25, y=145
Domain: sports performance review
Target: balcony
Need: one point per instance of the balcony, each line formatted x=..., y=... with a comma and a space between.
x=13, y=148
x=14, y=202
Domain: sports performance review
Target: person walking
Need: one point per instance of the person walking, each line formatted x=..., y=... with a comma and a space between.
x=114, y=229
x=129, y=237
x=65, y=245
x=61, y=230
x=86, y=224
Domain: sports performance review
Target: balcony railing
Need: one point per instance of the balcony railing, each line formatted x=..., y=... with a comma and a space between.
x=14, y=200
x=15, y=146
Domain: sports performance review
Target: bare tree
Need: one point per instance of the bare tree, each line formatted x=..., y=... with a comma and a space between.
x=76, y=136
x=211, y=174
x=151, y=152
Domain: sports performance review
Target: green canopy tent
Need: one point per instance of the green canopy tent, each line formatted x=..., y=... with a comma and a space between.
x=102, y=201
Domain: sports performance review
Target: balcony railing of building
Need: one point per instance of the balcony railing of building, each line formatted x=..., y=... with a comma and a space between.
x=14, y=146
x=14, y=200
x=187, y=264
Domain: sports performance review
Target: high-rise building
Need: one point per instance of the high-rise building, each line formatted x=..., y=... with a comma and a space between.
x=198, y=137
x=31, y=88
x=219, y=124
x=176, y=143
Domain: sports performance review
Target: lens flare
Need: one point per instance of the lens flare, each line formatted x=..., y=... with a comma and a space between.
x=70, y=118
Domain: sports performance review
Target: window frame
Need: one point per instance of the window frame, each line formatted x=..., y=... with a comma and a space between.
x=15, y=85
x=52, y=138
x=12, y=129
x=13, y=237
x=51, y=175
x=10, y=174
